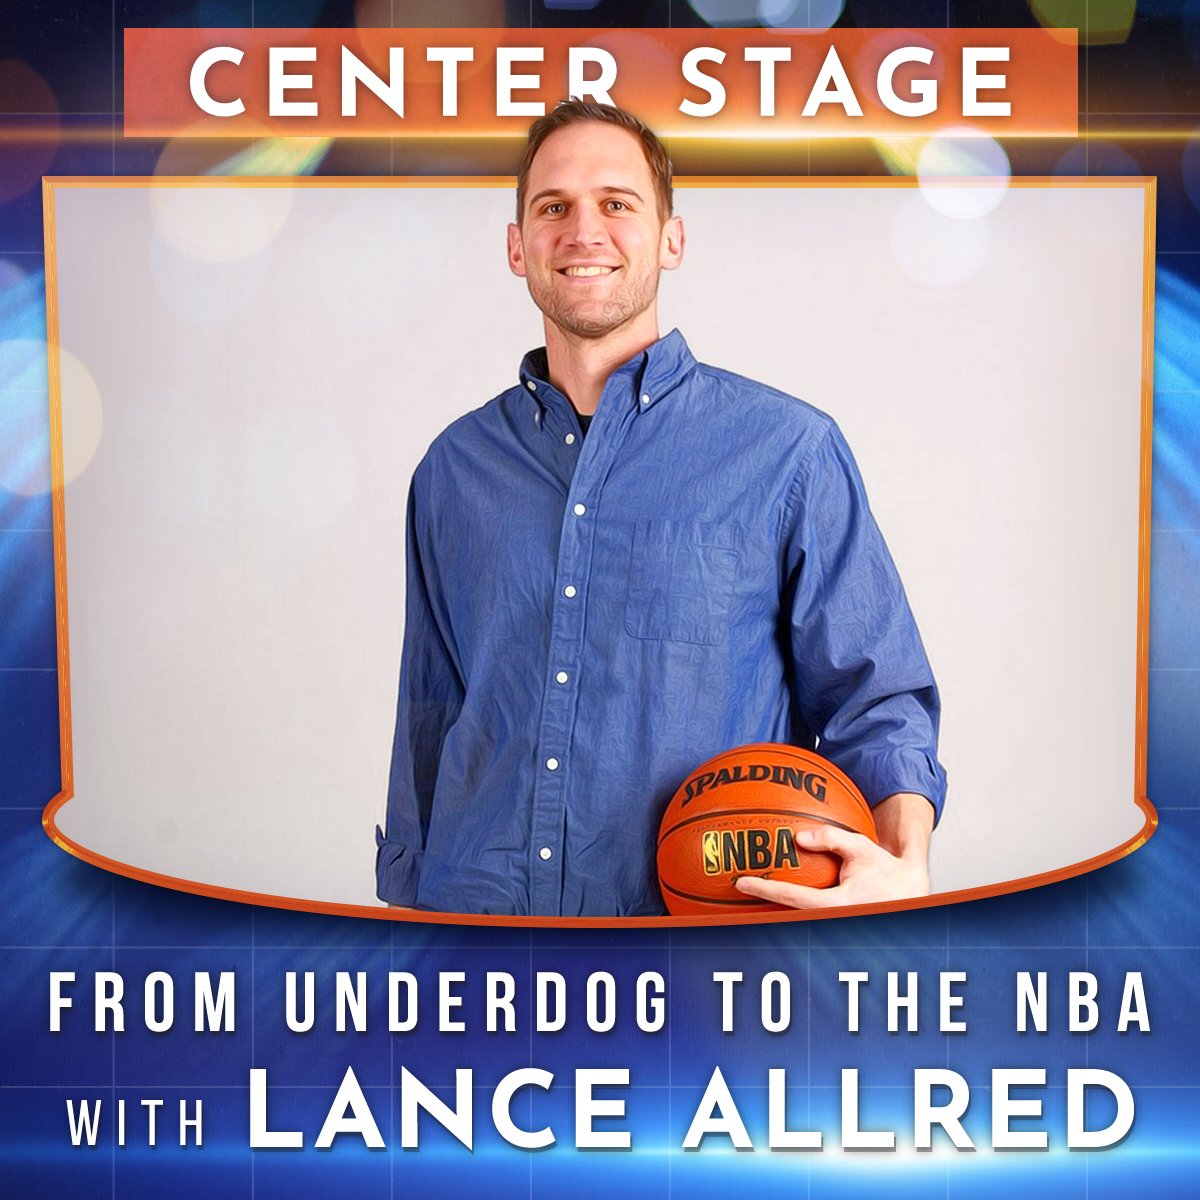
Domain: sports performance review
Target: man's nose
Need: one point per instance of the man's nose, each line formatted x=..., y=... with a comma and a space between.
x=587, y=227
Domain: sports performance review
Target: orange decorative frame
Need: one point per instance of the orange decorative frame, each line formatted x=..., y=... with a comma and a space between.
x=1148, y=186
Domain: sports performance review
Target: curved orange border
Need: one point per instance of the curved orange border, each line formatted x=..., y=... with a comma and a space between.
x=1149, y=185
x=437, y=918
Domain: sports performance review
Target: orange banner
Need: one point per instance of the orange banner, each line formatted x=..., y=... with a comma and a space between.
x=723, y=83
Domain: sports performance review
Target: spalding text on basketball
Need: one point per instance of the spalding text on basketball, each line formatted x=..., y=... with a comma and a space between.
x=793, y=777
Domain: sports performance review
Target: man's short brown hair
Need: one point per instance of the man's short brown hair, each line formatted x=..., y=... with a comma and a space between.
x=571, y=112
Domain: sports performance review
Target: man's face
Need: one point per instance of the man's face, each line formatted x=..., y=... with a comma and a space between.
x=592, y=241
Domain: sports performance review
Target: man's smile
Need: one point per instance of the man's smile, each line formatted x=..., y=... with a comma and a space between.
x=585, y=272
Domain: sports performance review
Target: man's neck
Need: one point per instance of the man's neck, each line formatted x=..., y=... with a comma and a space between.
x=579, y=367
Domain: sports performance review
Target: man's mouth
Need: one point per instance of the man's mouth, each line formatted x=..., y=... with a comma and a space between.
x=586, y=272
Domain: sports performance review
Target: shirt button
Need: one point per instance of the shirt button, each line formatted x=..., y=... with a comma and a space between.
x=531, y=385
x=552, y=764
x=645, y=398
x=562, y=677
x=580, y=509
x=570, y=439
x=545, y=852
x=569, y=591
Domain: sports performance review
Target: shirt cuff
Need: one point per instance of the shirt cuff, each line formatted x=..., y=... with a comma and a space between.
x=397, y=871
x=902, y=771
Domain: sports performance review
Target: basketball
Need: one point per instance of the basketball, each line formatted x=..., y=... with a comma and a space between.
x=738, y=814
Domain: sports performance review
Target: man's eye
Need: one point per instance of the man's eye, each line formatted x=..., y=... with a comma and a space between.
x=556, y=209
x=616, y=206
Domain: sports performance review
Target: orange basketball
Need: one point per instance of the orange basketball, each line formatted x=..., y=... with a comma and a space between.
x=738, y=814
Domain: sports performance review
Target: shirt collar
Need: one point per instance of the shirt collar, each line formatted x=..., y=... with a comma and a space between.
x=652, y=373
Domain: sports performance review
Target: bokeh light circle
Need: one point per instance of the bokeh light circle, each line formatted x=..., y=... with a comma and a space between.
x=1097, y=156
x=644, y=63
x=222, y=223
x=726, y=12
x=82, y=415
x=25, y=428
x=203, y=292
x=11, y=274
x=419, y=14
x=800, y=14
x=1191, y=167
x=958, y=153
x=1104, y=218
x=219, y=224
x=936, y=249
x=30, y=147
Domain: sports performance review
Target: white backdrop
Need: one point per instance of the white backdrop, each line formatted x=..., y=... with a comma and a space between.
x=250, y=375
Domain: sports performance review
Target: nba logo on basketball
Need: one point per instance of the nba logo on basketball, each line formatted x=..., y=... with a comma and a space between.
x=739, y=850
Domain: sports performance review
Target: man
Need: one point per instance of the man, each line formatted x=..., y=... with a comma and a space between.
x=624, y=565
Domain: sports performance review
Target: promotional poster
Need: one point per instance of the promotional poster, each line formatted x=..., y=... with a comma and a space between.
x=253, y=263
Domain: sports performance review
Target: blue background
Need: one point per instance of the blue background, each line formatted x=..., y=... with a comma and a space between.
x=1139, y=106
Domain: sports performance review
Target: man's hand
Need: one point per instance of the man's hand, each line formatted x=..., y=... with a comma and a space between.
x=896, y=869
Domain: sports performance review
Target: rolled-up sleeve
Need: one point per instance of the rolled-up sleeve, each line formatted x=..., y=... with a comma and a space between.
x=431, y=695
x=863, y=684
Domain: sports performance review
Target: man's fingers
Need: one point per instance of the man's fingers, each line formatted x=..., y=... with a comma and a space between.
x=863, y=878
x=847, y=845
x=869, y=874
x=794, y=895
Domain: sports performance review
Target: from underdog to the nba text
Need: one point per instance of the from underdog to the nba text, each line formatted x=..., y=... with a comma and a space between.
x=940, y=1097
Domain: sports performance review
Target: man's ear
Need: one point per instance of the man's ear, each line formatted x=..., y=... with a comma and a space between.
x=670, y=253
x=516, y=251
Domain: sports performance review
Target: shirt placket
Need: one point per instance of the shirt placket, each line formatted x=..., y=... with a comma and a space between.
x=556, y=783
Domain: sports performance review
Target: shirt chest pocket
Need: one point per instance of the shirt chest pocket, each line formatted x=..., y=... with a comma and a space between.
x=681, y=582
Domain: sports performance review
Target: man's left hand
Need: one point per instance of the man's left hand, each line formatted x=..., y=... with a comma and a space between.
x=896, y=869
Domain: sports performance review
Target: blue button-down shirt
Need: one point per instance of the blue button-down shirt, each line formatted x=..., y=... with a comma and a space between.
x=588, y=620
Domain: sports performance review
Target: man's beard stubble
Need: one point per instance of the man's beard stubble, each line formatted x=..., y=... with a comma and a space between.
x=585, y=321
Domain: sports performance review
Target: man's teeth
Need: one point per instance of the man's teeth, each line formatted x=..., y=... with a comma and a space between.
x=587, y=271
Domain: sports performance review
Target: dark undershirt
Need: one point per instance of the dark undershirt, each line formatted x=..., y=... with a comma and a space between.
x=584, y=419
x=542, y=369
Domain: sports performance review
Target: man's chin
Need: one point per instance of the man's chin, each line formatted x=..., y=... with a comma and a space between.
x=589, y=329
x=589, y=323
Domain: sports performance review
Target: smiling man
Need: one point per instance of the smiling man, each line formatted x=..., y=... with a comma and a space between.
x=624, y=565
